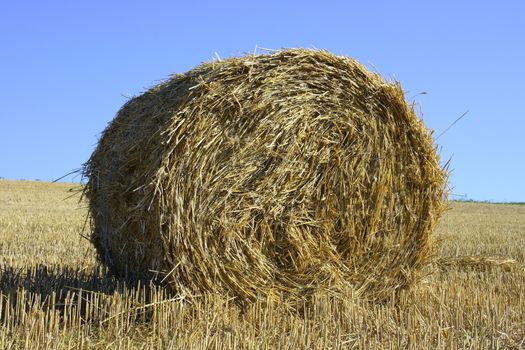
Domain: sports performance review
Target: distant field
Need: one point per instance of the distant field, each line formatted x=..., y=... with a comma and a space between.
x=54, y=295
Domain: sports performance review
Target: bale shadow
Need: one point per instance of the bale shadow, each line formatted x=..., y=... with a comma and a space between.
x=45, y=280
x=68, y=290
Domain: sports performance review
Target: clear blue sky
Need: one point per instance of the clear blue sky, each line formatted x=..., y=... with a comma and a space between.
x=65, y=67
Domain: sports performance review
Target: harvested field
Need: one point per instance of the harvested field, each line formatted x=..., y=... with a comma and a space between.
x=54, y=294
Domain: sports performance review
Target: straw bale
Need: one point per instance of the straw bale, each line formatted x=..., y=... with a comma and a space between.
x=272, y=175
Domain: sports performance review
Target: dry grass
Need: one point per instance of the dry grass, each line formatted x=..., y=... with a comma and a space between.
x=272, y=176
x=53, y=295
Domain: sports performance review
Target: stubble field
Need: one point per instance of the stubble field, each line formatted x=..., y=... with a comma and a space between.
x=54, y=295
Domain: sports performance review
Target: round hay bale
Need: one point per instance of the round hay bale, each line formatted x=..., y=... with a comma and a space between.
x=268, y=175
